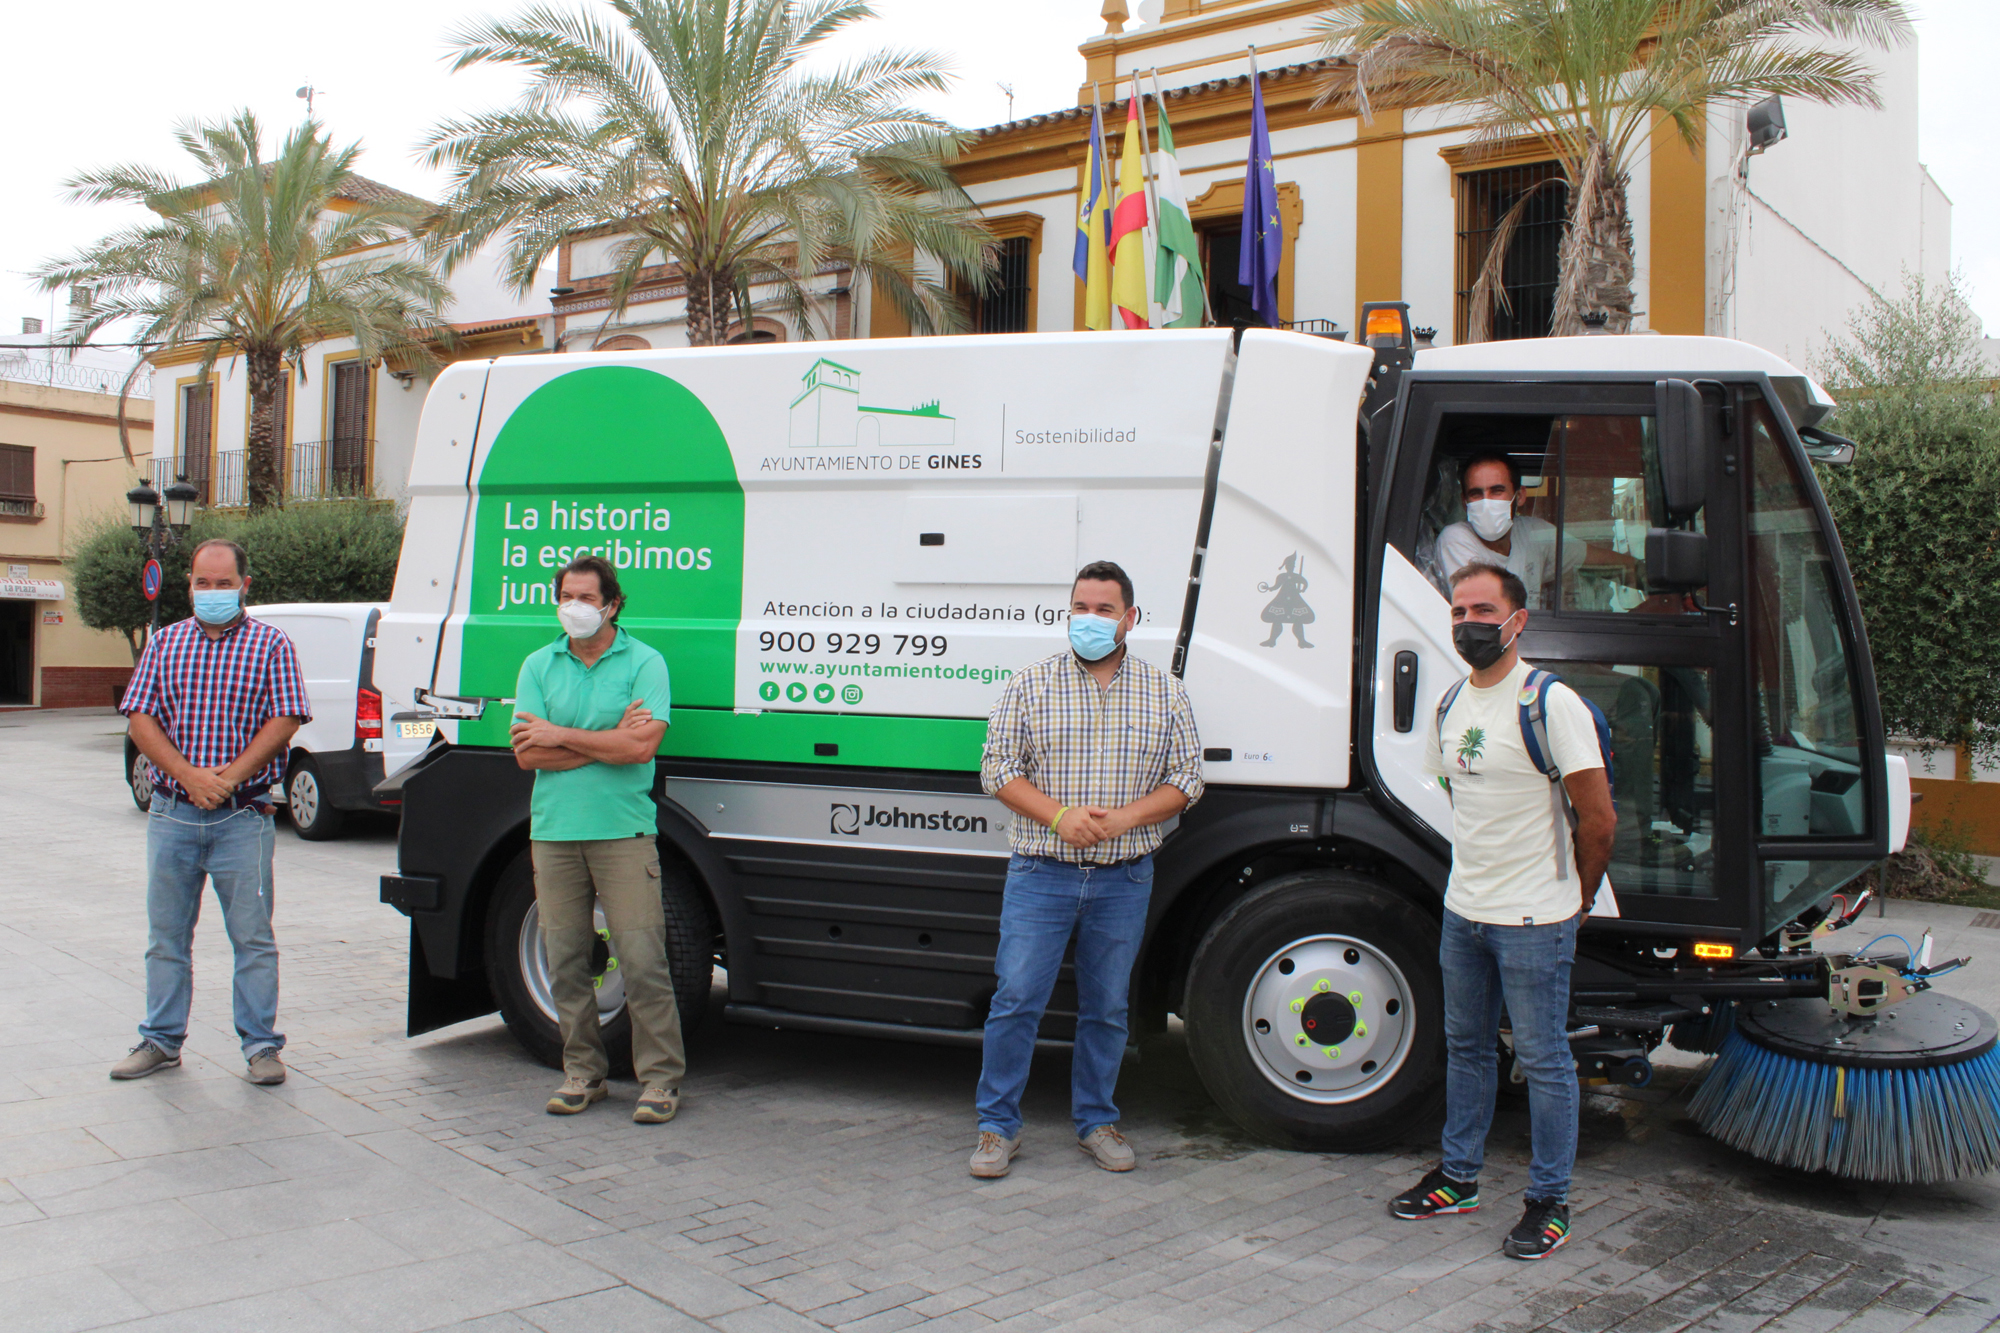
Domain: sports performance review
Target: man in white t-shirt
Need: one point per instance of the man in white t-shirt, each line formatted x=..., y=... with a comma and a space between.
x=1511, y=908
x=1494, y=533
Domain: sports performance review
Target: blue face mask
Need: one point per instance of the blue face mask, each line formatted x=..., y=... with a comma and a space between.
x=217, y=606
x=1093, y=637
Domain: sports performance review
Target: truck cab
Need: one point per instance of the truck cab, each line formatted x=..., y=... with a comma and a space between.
x=844, y=550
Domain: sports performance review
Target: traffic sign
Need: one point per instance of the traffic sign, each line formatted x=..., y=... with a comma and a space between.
x=149, y=581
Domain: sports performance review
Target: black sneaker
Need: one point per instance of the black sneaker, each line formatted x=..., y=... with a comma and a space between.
x=1435, y=1194
x=1541, y=1231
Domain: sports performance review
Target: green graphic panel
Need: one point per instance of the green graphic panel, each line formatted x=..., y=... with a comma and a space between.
x=951, y=744
x=629, y=465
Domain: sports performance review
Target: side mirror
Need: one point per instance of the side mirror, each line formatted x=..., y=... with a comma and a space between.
x=1683, y=448
x=1676, y=561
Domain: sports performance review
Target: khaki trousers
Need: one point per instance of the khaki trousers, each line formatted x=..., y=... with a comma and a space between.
x=623, y=875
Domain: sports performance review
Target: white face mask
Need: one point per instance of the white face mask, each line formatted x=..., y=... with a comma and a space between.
x=580, y=619
x=1491, y=519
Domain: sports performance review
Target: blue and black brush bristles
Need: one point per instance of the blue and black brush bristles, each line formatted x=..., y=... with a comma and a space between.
x=1908, y=1126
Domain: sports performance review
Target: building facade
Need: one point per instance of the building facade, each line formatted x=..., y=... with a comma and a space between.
x=61, y=469
x=1775, y=248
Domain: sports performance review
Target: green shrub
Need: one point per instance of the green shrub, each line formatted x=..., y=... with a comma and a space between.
x=1919, y=511
x=336, y=551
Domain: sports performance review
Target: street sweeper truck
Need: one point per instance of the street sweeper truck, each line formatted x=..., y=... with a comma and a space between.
x=844, y=550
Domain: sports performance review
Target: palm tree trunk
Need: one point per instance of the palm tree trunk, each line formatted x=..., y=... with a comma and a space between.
x=263, y=482
x=1595, y=271
x=709, y=302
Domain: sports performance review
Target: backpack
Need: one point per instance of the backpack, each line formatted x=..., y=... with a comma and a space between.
x=1533, y=701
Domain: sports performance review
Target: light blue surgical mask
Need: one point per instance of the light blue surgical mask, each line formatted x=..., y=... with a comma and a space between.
x=1093, y=637
x=217, y=606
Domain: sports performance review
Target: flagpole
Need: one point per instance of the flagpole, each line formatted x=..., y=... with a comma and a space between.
x=1207, y=308
x=1152, y=258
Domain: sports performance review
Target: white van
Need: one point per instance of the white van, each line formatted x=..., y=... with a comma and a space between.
x=342, y=753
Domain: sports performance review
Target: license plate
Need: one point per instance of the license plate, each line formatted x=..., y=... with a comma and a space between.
x=416, y=730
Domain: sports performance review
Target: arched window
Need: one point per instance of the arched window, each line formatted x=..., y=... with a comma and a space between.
x=624, y=342
x=761, y=330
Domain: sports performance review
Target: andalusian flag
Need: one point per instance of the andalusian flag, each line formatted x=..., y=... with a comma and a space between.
x=1092, y=260
x=1177, y=277
x=1128, y=225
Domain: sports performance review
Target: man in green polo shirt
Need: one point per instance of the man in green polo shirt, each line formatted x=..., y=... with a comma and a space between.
x=589, y=712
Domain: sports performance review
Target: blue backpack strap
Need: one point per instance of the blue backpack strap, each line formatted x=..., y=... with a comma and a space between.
x=1444, y=706
x=1534, y=701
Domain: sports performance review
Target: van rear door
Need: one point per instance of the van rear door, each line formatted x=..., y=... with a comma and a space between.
x=434, y=542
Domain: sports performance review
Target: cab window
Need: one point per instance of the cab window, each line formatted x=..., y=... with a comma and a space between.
x=1807, y=729
x=1588, y=492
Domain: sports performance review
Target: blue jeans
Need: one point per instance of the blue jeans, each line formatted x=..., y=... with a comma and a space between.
x=231, y=848
x=1046, y=901
x=1528, y=967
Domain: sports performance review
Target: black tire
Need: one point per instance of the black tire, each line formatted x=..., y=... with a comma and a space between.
x=690, y=959
x=139, y=777
x=1376, y=1084
x=307, y=803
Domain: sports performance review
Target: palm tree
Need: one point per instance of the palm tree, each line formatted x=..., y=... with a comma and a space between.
x=1592, y=78
x=693, y=129
x=258, y=259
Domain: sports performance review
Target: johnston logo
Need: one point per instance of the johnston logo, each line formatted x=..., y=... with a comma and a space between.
x=848, y=820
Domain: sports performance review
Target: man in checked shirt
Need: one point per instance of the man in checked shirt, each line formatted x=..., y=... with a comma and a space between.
x=213, y=704
x=1092, y=749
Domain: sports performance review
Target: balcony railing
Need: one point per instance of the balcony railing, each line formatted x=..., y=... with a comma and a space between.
x=329, y=469
x=313, y=470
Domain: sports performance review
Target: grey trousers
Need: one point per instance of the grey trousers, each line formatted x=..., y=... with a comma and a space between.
x=623, y=875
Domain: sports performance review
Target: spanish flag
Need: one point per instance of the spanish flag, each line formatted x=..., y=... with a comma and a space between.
x=1092, y=261
x=1129, y=288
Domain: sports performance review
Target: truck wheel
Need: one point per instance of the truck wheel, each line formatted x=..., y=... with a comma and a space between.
x=139, y=773
x=1315, y=1015
x=519, y=968
x=306, y=803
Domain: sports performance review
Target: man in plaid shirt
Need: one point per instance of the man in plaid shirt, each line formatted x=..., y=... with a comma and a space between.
x=1092, y=749
x=213, y=704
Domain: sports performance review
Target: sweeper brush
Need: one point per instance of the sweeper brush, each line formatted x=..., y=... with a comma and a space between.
x=1906, y=1094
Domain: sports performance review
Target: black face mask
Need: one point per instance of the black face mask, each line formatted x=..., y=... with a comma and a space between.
x=1479, y=644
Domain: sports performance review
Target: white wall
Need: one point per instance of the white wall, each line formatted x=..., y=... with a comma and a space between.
x=1839, y=207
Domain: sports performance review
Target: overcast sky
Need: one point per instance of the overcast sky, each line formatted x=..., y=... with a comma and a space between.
x=95, y=82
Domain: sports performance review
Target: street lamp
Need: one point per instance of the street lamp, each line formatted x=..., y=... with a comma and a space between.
x=160, y=524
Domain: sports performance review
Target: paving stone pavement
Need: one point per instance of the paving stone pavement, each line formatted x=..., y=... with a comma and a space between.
x=809, y=1183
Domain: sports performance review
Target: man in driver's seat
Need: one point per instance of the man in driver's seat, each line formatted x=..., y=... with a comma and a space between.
x=1494, y=532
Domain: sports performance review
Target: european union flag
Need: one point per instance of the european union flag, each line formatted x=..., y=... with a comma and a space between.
x=1263, y=242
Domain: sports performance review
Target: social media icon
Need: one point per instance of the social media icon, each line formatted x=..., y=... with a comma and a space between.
x=795, y=692
x=851, y=695
x=823, y=693
x=768, y=691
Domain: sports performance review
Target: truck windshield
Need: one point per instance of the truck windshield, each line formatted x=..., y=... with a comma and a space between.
x=1807, y=728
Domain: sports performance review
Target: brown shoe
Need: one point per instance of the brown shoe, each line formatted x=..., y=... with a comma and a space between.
x=144, y=1059
x=1108, y=1148
x=266, y=1069
x=994, y=1157
x=575, y=1095
x=657, y=1106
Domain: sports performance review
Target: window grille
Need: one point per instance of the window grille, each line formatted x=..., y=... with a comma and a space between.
x=1528, y=276
x=347, y=462
x=1003, y=306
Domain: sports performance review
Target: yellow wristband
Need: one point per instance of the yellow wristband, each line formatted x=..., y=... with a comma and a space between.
x=1058, y=819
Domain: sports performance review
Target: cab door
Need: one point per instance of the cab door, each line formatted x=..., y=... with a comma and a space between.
x=1668, y=674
